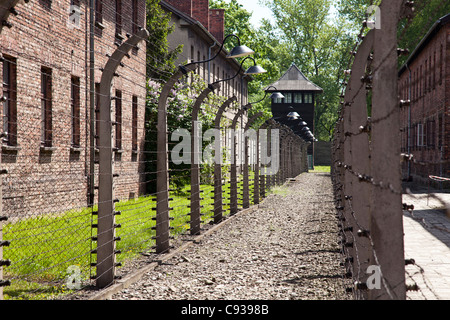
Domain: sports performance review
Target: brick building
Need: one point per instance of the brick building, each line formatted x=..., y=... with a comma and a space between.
x=46, y=101
x=201, y=32
x=424, y=80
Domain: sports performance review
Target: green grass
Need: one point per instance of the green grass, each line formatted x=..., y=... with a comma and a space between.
x=41, y=250
x=280, y=190
x=43, y=247
x=321, y=169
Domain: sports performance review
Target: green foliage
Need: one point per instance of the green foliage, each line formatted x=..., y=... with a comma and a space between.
x=160, y=59
x=269, y=52
x=318, y=46
x=179, y=109
x=412, y=31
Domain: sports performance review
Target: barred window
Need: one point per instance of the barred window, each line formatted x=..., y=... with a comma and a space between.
x=308, y=98
x=46, y=107
x=75, y=108
x=118, y=120
x=134, y=134
x=288, y=98
x=9, y=101
x=298, y=98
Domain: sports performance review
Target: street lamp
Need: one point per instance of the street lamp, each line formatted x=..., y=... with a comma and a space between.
x=237, y=52
x=293, y=115
x=255, y=69
x=274, y=95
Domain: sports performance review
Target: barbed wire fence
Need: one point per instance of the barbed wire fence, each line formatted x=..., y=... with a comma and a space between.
x=84, y=190
x=366, y=170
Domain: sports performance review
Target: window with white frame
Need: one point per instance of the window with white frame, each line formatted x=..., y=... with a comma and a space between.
x=420, y=135
x=277, y=100
x=288, y=98
x=298, y=98
x=308, y=98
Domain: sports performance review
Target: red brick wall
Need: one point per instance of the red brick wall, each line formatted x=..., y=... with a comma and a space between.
x=182, y=5
x=212, y=19
x=200, y=12
x=56, y=180
x=217, y=23
x=430, y=81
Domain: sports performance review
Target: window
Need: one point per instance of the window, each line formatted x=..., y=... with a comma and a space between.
x=420, y=82
x=134, y=133
x=46, y=107
x=420, y=135
x=429, y=74
x=298, y=98
x=134, y=17
x=431, y=133
x=46, y=3
x=99, y=13
x=434, y=69
x=441, y=64
x=75, y=108
x=119, y=21
x=278, y=100
x=415, y=86
x=204, y=69
x=288, y=98
x=9, y=101
x=308, y=98
x=200, y=64
x=97, y=115
x=118, y=120
x=425, y=77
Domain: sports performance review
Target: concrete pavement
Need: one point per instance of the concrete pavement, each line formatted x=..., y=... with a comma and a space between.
x=427, y=241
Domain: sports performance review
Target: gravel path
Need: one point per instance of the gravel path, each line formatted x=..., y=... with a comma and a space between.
x=286, y=249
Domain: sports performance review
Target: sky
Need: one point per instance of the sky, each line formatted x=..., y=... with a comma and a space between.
x=259, y=11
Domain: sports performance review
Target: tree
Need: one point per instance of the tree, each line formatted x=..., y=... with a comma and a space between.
x=411, y=31
x=317, y=44
x=160, y=59
x=179, y=110
x=269, y=51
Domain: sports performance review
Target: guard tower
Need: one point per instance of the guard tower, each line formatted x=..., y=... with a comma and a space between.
x=299, y=96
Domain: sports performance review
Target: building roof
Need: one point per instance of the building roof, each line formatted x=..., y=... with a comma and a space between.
x=425, y=40
x=294, y=80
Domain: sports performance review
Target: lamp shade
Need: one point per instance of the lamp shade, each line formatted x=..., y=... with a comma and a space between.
x=302, y=123
x=240, y=51
x=293, y=114
x=255, y=70
x=276, y=95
